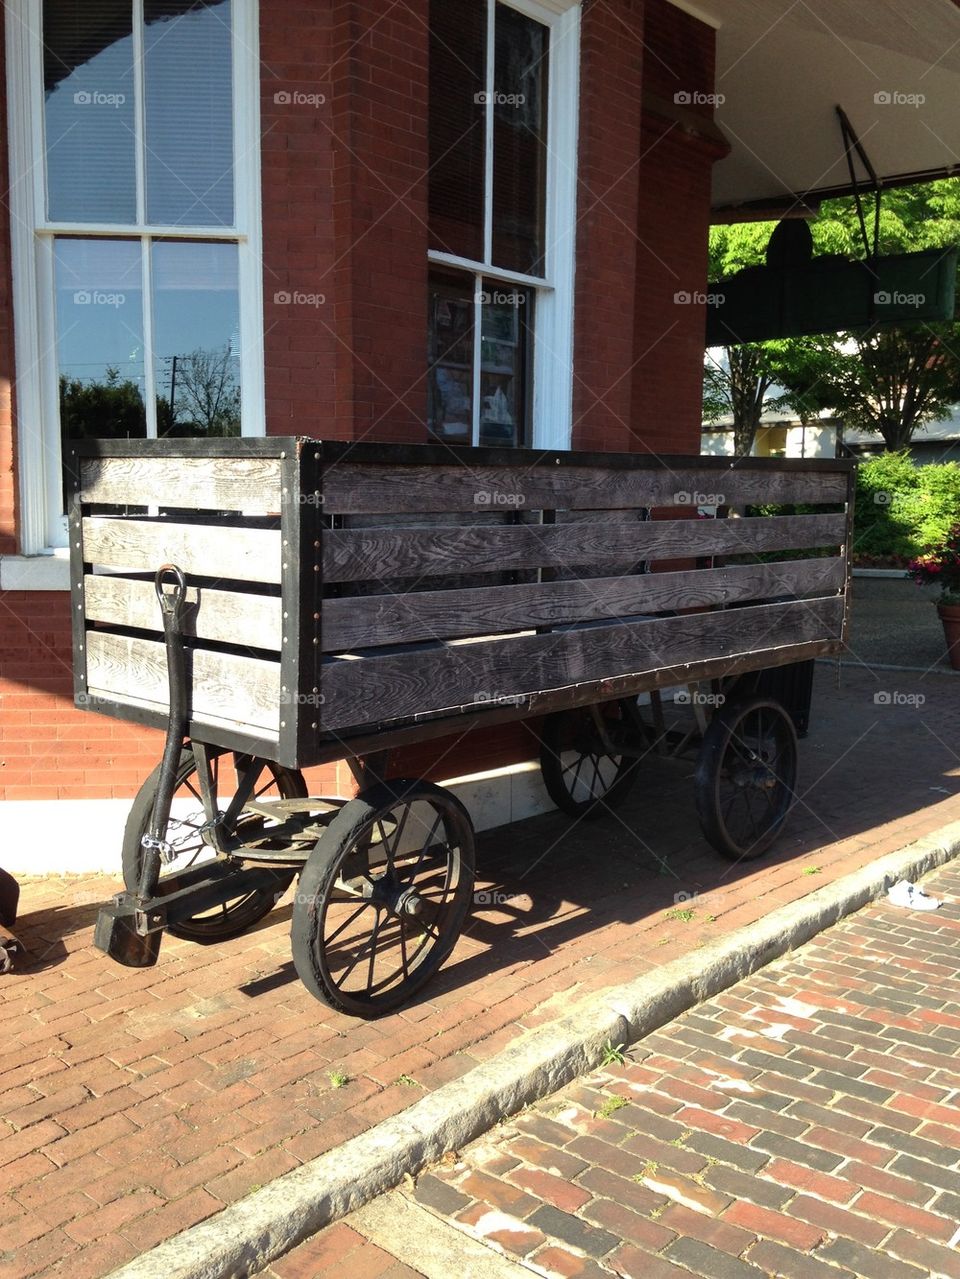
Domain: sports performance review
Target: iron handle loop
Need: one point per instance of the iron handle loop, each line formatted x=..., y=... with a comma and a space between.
x=171, y=602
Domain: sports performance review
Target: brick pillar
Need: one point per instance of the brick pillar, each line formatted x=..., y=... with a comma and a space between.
x=610, y=136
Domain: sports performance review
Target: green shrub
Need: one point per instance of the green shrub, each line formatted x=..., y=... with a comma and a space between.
x=902, y=510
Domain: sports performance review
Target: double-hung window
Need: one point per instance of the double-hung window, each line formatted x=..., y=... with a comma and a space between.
x=135, y=205
x=502, y=218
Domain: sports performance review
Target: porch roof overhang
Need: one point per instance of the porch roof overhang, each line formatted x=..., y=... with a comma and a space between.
x=783, y=67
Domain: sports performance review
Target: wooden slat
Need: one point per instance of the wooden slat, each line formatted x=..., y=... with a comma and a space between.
x=366, y=621
x=244, y=691
x=350, y=488
x=358, y=554
x=250, y=484
x=243, y=554
x=231, y=617
x=376, y=689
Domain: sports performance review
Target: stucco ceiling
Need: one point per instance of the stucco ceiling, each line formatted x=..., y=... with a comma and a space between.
x=784, y=65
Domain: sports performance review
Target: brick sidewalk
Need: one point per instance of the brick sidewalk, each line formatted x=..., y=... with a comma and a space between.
x=802, y=1125
x=136, y=1103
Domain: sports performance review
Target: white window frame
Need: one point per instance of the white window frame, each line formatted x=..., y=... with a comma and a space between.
x=42, y=526
x=552, y=426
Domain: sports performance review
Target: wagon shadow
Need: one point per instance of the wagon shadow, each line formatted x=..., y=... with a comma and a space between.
x=44, y=933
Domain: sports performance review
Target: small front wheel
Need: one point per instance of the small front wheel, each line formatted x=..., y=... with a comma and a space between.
x=746, y=777
x=383, y=897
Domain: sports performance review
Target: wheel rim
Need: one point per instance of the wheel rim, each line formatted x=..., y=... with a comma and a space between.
x=194, y=842
x=754, y=786
x=395, y=904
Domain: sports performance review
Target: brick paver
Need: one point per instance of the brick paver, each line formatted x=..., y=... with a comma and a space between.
x=840, y=1198
x=136, y=1103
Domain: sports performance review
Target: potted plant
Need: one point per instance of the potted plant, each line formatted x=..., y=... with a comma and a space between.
x=940, y=566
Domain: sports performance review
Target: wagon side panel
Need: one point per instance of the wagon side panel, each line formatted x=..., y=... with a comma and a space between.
x=558, y=581
x=215, y=509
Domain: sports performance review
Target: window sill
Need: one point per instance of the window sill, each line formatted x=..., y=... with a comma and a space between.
x=50, y=572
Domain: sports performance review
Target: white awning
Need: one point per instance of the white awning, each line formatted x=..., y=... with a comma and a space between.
x=783, y=66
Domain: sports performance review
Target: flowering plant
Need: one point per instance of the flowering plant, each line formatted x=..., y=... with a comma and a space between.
x=940, y=566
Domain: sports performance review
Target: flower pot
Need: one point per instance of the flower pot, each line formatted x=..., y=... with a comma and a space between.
x=950, y=617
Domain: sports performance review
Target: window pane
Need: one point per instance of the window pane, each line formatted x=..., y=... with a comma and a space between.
x=457, y=139
x=196, y=335
x=189, y=112
x=89, y=110
x=450, y=413
x=519, y=141
x=504, y=341
x=99, y=320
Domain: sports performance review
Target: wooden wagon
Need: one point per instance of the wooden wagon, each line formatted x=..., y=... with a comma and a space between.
x=280, y=603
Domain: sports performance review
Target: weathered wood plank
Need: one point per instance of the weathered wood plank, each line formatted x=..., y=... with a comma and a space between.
x=250, y=484
x=244, y=691
x=377, y=689
x=426, y=552
x=361, y=622
x=230, y=617
x=205, y=550
x=351, y=488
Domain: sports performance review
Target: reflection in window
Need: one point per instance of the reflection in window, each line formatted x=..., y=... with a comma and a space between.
x=196, y=336
x=189, y=112
x=89, y=110
x=99, y=326
x=500, y=383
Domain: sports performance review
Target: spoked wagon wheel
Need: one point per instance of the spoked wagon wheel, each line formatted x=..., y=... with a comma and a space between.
x=581, y=776
x=746, y=776
x=383, y=897
x=194, y=842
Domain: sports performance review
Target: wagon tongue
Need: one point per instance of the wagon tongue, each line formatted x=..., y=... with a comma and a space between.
x=116, y=934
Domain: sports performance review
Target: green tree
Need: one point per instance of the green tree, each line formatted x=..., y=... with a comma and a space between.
x=890, y=380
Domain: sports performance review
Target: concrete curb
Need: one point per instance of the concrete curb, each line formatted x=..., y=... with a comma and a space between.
x=246, y=1236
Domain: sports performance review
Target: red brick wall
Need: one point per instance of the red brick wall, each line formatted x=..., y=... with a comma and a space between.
x=344, y=215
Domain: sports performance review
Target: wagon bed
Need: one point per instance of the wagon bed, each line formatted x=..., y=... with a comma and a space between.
x=357, y=595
